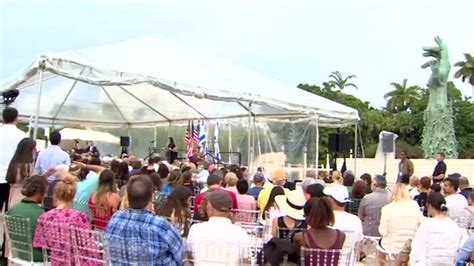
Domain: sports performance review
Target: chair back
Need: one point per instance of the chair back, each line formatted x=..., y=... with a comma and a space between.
x=57, y=246
x=216, y=253
x=246, y=217
x=288, y=233
x=320, y=257
x=18, y=238
x=123, y=251
x=192, y=204
x=348, y=252
x=88, y=247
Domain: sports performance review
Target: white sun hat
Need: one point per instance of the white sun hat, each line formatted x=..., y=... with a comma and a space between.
x=292, y=204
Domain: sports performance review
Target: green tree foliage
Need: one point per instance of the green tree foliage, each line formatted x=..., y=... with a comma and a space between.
x=466, y=69
x=402, y=97
x=403, y=116
x=339, y=82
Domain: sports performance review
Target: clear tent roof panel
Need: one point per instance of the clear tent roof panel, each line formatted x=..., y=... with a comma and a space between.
x=154, y=80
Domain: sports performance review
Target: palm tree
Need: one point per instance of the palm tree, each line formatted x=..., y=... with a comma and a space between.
x=340, y=82
x=402, y=97
x=466, y=69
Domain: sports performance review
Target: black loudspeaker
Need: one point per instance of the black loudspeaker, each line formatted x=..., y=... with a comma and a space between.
x=387, y=143
x=340, y=143
x=125, y=141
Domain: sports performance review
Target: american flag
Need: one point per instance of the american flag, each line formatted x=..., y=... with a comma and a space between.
x=196, y=133
x=187, y=134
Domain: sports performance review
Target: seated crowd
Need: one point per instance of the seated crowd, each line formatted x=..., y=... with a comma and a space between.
x=172, y=214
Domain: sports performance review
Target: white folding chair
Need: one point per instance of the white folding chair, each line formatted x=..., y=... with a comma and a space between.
x=320, y=257
x=350, y=249
x=288, y=232
x=246, y=216
x=123, y=251
x=217, y=253
x=369, y=244
x=18, y=240
x=88, y=247
x=193, y=203
x=57, y=246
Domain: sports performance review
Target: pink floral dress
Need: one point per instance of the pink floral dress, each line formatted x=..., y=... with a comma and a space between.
x=52, y=233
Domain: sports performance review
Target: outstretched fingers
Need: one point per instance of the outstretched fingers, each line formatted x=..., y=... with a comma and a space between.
x=429, y=64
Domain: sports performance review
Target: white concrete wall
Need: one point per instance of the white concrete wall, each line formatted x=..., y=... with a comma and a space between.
x=423, y=167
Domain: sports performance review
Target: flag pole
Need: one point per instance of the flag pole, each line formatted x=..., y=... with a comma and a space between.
x=249, y=132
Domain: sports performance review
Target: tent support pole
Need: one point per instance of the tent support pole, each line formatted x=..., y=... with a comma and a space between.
x=129, y=134
x=187, y=104
x=361, y=144
x=154, y=136
x=67, y=96
x=317, y=144
x=230, y=140
x=144, y=103
x=38, y=100
x=249, y=141
x=257, y=135
x=114, y=104
x=355, y=148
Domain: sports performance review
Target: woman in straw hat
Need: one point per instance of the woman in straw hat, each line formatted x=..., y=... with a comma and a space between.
x=291, y=205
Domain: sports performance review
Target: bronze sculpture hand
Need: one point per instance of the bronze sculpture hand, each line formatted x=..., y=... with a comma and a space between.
x=440, y=66
x=438, y=133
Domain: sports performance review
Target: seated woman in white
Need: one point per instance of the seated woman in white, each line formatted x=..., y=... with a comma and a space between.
x=399, y=220
x=437, y=238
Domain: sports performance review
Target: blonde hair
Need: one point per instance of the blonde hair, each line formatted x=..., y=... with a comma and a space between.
x=414, y=181
x=65, y=188
x=231, y=179
x=400, y=193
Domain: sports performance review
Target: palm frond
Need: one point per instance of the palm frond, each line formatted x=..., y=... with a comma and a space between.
x=352, y=85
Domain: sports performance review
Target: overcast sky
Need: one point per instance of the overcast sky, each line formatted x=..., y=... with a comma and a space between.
x=296, y=42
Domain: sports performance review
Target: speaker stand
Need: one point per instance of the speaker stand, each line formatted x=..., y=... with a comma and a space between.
x=385, y=164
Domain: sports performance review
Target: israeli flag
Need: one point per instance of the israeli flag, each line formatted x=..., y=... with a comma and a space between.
x=202, y=137
x=217, y=152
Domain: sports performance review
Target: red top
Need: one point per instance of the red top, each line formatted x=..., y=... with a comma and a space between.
x=99, y=221
x=198, y=200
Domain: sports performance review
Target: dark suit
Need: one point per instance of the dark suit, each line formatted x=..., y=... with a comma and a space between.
x=92, y=149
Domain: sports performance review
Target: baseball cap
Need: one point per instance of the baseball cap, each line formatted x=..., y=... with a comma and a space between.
x=338, y=193
x=220, y=200
x=258, y=177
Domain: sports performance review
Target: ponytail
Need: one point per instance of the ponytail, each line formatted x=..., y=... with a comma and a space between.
x=443, y=208
x=437, y=201
x=65, y=189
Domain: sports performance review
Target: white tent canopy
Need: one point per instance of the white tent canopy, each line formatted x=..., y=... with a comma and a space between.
x=88, y=135
x=154, y=80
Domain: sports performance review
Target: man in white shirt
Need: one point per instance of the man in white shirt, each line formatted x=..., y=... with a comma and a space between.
x=218, y=241
x=50, y=158
x=456, y=203
x=344, y=221
x=204, y=174
x=10, y=136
